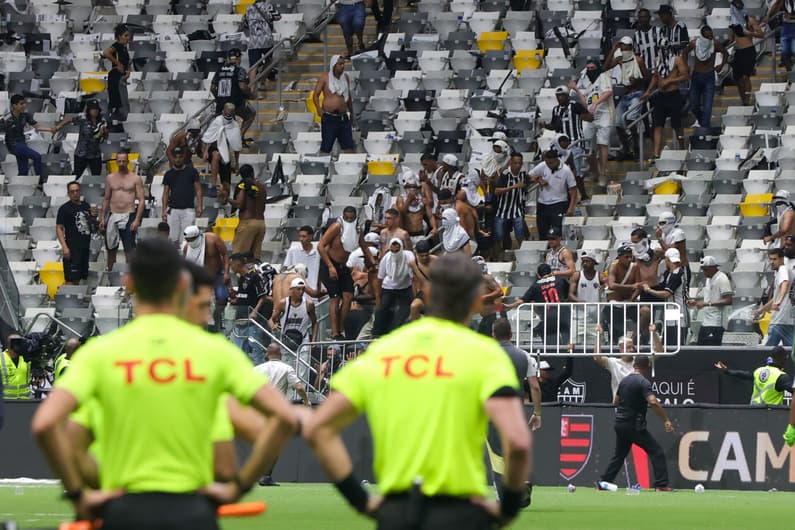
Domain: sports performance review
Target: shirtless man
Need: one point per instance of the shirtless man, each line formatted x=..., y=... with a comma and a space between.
x=363, y=263
x=249, y=198
x=559, y=257
x=620, y=288
x=335, y=246
x=744, y=29
x=209, y=251
x=491, y=293
x=120, y=216
x=469, y=218
x=282, y=281
x=337, y=117
x=414, y=205
x=392, y=230
x=430, y=171
x=421, y=269
x=189, y=140
x=647, y=266
x=702, y=80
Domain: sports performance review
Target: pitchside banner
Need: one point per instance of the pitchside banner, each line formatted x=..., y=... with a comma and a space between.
x=721, y=447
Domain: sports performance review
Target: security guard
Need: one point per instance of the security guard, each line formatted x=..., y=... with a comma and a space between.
x=63, y=361
x=428, y=390
x=157, y=381
x=770, y=381
x=15, y=370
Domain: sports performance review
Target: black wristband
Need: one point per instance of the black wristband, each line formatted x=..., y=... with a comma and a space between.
x=242, y=488
x=73, y=495
x=511, y=503
x=353, y=492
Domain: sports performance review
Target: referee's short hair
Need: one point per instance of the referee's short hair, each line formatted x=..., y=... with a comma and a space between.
x=155, y=268
x=455, y=284
x=642, y=362
x=200, y=276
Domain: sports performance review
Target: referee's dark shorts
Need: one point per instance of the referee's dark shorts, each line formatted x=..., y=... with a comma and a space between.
x=413, y=511
x=160, y=511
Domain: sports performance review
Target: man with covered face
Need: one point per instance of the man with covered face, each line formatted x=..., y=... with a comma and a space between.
x=454, y=237
x=341, y=238
x=393, y=289
x=222, y=142
x=702, y=81
x=632, y=77
x=209, y=251
x=415, y=205
x=595, y=88
x=784, y=218
x=670, y=235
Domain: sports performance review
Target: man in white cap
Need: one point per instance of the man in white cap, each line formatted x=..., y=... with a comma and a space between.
x=294, y=316
x=669, y=235
x=549, y=383
x=586, y=285
x=714, y=300
x=209, y=251
x=630, y=73
x=784, y=218
x=450, y=175
x=363, y=263
x=336, y=112
x=415, y=205
x=672, y=288
x=496, y=161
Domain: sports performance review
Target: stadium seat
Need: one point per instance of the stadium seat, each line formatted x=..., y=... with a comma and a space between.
x=225, y=228
x=492, y=41
x=756, y=205
x=51, y=275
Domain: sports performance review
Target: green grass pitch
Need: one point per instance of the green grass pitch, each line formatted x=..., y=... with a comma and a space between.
x=319, y=507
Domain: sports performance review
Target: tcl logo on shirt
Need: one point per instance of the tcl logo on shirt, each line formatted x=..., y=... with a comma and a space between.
x=416, y=366
x=162, y=370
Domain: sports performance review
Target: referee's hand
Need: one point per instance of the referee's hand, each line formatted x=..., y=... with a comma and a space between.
x=91, y=502
x=492, y=508
x=222, y=493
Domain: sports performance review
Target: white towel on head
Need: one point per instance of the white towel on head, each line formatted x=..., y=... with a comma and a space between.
x=349, y=235
x=454, y=236
x=196, y=254
x=705, y=48
x=396, y=263
x=337, y=85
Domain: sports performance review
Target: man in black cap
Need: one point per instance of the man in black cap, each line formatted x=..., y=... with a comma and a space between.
x=231, y=85
x=549, y=383
x=548, y=291
x=557, y=194
x=621, y=285
x=672, y=29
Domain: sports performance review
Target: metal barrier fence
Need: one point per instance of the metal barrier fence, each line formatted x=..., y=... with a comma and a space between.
x=562, y=329
x=9, y=294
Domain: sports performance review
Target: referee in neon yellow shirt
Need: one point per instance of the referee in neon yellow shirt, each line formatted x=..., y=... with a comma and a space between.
x=428, y=390
x=157, y=381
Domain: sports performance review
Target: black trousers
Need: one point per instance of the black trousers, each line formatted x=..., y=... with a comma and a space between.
x=394, y=310
x=383, y=17
x=626, y=435
x=549, y=216
x=486, y=324
x=409, y=512
x=80, y=165
x=160, y=511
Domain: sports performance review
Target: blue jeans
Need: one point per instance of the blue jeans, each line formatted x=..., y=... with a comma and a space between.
x=702, y=93
x=780, y=333
x=787, y=40
x=499, y=228
x=351, y=18
x=240, y=337
x=630, y=100
x=23, y=153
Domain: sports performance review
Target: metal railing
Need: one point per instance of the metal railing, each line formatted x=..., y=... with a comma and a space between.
x=9, y=305
x=639, y=124
x=32, y=324
x=565, y=329
x=772, y=33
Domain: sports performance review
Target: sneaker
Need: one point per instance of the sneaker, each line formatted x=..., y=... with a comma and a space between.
x=267, y=480
x=529, y=499
x=665, y=488
x=599, y=487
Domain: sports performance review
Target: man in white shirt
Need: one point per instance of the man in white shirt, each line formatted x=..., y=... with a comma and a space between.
x=669, y=235
x=781, y=328
x=595, y=88
x=393, y=292
x=716, y=298
x=306, y=255
x=557, y=194
x=281, y=376
x=621, y=367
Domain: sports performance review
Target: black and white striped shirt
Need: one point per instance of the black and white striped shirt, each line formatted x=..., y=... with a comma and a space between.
x=789, y=8
x=566, y=120
x=645, y=44
x=510, y=204
x=676, y=35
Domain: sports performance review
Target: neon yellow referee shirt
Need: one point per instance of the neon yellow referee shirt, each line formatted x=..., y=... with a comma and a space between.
x=423, y=389
x=158, y=381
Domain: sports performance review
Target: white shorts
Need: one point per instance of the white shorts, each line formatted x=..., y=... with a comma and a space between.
x=599, y=129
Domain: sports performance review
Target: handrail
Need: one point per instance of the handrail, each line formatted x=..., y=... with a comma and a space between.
x=772, y=33
x=52, y=319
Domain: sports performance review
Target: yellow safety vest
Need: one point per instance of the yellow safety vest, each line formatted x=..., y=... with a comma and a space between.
x=765, y=392
x=16, y=378
x=61, y=364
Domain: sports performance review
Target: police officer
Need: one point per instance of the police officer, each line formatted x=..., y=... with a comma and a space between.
x=15, y=370
x=770, y=380
x=231, y=85
x=429, y=467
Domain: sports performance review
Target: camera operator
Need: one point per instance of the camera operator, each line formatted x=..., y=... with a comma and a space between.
x=14, y=369
x=63, y=361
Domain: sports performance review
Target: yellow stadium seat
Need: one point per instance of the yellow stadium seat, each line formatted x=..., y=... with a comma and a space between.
x=113, y=166
x=225, y=228
x=381, y=167
x=492, y=40
x=310, y=105
x=756, y=204
x=764, y=323
x=242, y=5
x=669, y=187
x=51, y=275
x=528, y=59
x=91, y=82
